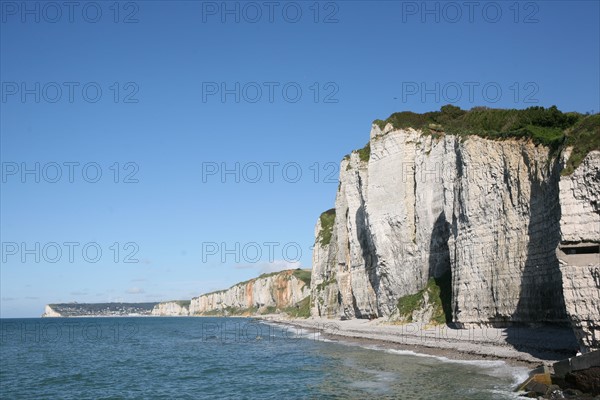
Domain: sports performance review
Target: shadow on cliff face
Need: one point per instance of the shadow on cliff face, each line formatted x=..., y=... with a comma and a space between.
x=439, y=263
x=541, y=304
x=371, y=262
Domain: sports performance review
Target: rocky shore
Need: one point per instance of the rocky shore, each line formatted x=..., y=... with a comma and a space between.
x=518, y=346
x=545, y=351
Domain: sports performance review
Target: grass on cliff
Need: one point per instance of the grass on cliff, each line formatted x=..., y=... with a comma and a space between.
x=327, y=219
x=266, y=275
x=365, y=153
x=584, y=137
x=439, y=291
x=261, y=276
x=302, y=275
x=180, y=303
x=269, y=310
x=300, y=310
x=546, y=126
x=213, y=292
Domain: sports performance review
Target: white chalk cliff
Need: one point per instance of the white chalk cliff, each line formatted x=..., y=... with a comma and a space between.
x=275, y=292
x=175, y=308
x=50, y=312
x=578, y=255
x=489, y=215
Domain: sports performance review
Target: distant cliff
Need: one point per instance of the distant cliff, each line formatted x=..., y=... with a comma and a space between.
x=278, y=292
x=497, y=223
x=172, y=308
x=285, y=291
x=98, y=309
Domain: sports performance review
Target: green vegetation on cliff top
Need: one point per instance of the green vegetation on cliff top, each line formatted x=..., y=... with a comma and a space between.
x=584, y=137
x=546, y=126
x=181, y=303
x=303, y=275
x=327, y=218
x=365, y=153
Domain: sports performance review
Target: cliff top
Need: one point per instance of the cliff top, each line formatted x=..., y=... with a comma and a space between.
x=546, y=126
x=181, y=303
x=301, y=274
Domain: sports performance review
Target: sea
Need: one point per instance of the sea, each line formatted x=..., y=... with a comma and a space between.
x=224, y=358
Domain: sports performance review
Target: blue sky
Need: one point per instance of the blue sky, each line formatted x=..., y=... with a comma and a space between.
x=161, y=122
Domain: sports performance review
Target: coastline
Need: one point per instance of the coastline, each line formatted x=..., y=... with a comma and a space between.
x=518, y=346
x=523, y=347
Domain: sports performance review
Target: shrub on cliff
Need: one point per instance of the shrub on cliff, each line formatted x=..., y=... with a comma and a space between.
x=365, y=153
x=327, y=218
x=300, y=310
x=437, y=295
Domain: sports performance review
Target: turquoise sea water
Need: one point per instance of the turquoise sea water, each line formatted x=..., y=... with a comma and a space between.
x=224, y=358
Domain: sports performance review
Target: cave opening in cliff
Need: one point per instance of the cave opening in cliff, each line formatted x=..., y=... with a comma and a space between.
x=580, y=248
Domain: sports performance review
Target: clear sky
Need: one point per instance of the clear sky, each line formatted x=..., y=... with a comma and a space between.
x=162, y=97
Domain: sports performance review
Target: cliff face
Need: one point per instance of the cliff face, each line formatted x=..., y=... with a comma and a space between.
x=579, y=253
x=484, y=214
x=172, y=308
x=50, y=312
x=580, y=202
x=324, y=285
x=263, y=294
